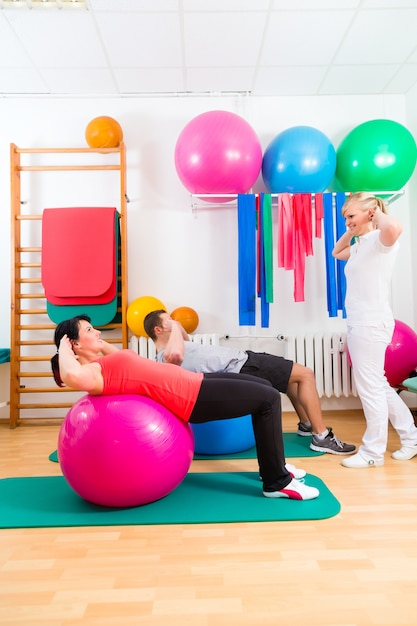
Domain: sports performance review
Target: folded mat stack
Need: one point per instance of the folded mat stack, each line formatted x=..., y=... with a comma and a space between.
x=80, y=263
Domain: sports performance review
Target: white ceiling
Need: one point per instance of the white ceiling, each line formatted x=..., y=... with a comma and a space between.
x=262, y=47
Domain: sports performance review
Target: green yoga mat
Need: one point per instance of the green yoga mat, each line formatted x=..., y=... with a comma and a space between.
x=294, y=446
x=206, y=498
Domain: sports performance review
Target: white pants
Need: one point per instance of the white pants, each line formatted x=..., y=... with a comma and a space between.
x=380, y=402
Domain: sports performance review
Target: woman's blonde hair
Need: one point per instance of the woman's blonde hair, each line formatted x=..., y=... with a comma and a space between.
x=364, y=201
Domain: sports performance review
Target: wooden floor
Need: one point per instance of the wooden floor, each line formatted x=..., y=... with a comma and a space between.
x=356, y=569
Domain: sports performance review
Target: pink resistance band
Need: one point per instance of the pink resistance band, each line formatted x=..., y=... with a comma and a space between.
x=285, y=232
x=303, y=240
x=319, y=211
x=258, y=244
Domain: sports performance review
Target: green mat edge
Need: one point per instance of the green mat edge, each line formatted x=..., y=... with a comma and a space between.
x=202, y=498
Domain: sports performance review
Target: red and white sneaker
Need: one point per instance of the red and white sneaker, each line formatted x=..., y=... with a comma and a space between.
x=295, y=471
x=294, y=491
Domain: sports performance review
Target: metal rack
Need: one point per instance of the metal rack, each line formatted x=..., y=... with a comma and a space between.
x=230, y=199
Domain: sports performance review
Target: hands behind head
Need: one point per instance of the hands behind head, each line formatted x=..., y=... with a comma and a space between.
x=166, y=325
x=65, y=346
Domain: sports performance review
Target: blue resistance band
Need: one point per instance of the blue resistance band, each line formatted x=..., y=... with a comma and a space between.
x=340, y=265
x=330, y=261
x=246, y=220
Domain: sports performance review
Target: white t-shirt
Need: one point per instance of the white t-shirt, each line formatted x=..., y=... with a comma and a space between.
x=368, y=274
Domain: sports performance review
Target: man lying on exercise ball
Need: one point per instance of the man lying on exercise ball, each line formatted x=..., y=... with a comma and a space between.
x=295, y=380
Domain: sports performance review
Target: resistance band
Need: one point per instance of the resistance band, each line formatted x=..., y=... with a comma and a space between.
x=318, y=209
x=303, y=241
x=340, y=265
x=268, y=245
x=246, y=219
x=285, y=232
x=265, y=268
x=330, y=261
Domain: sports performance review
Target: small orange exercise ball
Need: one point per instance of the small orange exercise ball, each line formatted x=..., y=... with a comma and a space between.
x=187, y=317
x=138, y=310
x=103, y=132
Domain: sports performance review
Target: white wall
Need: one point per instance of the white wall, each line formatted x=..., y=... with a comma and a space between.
x=411, y=112
x=184, y=256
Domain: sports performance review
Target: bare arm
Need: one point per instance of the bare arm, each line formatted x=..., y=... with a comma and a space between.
x=341, y=249
x=390, y=227
x=81, y=377
x=174, y=349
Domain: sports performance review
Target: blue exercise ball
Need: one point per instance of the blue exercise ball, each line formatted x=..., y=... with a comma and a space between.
x=224, y=436
x=300, y=159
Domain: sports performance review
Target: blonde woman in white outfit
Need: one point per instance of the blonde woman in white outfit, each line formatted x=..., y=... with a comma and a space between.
x=370, y=325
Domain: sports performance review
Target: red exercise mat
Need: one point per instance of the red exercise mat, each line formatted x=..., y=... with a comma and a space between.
x=78, y=255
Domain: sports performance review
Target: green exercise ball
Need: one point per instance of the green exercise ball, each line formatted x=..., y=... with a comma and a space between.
x=379, y=155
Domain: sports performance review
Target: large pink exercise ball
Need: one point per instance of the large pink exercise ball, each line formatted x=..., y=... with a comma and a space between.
x=379, y=155
x=224, y=436
x=300, y=159
x=218, y=152
x=401, y=354
x=123, y=450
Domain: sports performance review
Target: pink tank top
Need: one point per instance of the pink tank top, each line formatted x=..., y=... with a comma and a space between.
x=125, y=372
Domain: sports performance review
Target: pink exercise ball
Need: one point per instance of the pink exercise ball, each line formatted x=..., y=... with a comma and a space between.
x=401, y=354
x=218, y=152
x=123, y=450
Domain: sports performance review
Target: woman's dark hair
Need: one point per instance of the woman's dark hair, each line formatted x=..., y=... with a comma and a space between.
x=71, y=328
x=151, y=320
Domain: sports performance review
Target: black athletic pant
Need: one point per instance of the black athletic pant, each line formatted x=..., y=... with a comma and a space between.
x=224, y=396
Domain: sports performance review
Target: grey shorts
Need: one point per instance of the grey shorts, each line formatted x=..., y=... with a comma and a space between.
x=274, y=368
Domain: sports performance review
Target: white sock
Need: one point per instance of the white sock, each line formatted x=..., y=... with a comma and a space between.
x=323, y=434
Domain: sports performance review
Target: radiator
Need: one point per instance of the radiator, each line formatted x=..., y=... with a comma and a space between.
x=324, y=353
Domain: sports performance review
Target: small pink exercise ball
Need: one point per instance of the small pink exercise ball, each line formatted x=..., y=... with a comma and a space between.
x=401, y=354
x=123, y=450
x=218, y=152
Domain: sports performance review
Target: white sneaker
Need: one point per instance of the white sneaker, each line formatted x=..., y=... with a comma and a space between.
x=405, y=453
x=294, y=491
x=296, y=472
x=357, y=461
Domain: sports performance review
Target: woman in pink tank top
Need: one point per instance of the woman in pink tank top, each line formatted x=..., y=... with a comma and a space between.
x=87, y=363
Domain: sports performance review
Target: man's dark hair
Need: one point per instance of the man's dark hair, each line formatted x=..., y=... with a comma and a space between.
x=151, y=320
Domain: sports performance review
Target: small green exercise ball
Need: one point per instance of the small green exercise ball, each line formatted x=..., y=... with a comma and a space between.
x=379, y=155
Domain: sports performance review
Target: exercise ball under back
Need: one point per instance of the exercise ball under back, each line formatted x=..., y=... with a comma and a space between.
x=123, y=450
